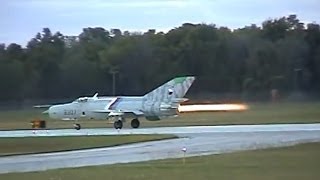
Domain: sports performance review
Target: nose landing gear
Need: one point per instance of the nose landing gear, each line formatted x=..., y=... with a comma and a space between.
x=77, y=126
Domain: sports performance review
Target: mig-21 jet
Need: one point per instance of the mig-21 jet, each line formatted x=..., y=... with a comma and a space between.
x=160, y=103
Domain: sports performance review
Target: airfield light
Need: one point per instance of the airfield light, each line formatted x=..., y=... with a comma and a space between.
x=212, y=107
x=184, y=150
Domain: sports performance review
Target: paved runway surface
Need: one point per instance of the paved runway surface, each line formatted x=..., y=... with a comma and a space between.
x=199, y=140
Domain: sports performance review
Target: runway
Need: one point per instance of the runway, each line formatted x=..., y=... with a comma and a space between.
x=199, y=140
x=163, y=130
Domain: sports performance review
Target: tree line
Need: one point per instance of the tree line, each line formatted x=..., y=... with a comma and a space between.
x=282, y=54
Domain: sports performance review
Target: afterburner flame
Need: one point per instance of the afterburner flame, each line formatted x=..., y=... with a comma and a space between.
x=212, y=107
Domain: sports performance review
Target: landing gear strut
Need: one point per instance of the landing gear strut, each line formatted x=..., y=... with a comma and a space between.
x=135, y=123
x=77, y=126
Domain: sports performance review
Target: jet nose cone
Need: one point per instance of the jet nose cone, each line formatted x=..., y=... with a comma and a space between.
x=52, y=111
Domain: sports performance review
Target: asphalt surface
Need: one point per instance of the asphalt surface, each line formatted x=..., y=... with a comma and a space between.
x=198, y=140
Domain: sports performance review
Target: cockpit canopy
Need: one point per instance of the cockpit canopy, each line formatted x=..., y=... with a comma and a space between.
x=81, y=100
x=85, y=99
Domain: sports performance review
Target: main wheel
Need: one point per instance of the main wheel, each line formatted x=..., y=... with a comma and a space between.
x=118, y=124
x=77, y=126
x=135, y=123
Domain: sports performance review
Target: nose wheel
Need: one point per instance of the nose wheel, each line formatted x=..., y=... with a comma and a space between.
x=135, y=123
x=77, y=126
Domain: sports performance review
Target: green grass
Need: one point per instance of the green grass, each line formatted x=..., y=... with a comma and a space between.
x=13, y=146
x=306, y=112
x=291, y=163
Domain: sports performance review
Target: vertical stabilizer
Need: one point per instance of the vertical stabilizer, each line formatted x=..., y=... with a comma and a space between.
x=173, y=89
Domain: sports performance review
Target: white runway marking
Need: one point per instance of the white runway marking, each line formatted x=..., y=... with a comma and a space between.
x=199, y=140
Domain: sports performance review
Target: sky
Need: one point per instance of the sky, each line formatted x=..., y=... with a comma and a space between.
x=20, y=20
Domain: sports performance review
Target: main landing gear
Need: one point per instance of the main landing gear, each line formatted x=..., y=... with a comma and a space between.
x=118, y=124
x=135, y=123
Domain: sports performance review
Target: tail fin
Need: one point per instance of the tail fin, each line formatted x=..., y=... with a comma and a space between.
x=173, y=89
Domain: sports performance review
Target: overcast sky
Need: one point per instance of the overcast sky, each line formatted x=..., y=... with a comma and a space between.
x=20, y=20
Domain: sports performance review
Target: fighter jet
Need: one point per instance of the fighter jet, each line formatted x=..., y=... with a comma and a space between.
x=160, y=103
